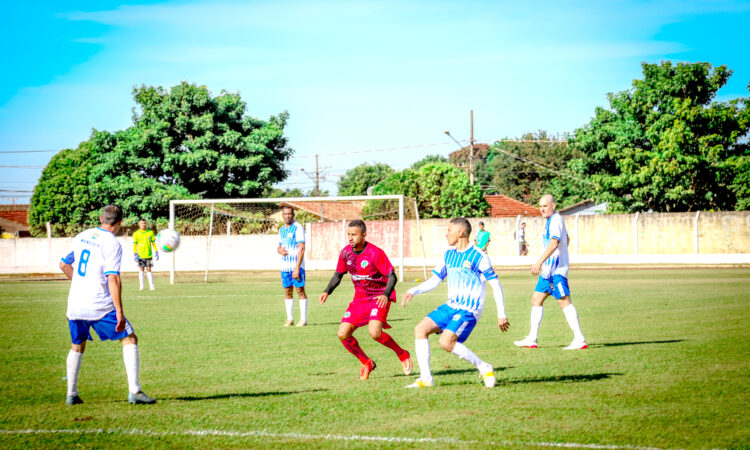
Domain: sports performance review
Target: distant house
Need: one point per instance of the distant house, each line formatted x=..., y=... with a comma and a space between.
x=584, y=208
x=14, y=220
x=504, y=206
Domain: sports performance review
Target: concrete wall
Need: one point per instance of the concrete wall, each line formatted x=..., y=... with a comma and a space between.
x=715, y=237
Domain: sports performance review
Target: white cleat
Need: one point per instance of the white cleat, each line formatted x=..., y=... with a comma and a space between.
x=488, y=375
x=420, y=384
x=289, y=323
x=576, y=345
x=526, y=343
x=302, y=323
x=152, y=288
x=141, y=288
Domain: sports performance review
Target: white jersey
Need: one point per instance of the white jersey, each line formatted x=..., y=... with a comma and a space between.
x=557, y=263
x=467, y=272
x=289, y=237
x=94, y=254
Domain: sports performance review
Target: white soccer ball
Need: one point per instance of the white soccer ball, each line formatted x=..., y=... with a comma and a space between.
x=168, y=240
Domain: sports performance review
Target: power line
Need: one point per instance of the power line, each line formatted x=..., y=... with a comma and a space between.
x=29, y=151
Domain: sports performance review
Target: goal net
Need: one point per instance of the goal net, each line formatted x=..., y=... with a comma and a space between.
x=224, y=235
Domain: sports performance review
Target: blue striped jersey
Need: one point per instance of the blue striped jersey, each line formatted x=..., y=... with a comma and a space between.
x=557, y=263
x=467, y=271
x=289, y=237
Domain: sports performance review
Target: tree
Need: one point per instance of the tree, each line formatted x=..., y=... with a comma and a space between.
x=429, y=159
x=356, y=180
x=535, y=164
x=441, y=190
x=184, y=143
x=666, y=145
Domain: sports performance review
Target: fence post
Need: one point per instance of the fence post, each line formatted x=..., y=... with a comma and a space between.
x=635, y=233
x=697, y=216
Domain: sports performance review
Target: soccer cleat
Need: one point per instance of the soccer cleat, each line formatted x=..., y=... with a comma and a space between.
x=420, y=384
x=488, y=375
x=73, y=400
x=302, y=323
x=289, y=323
x=364, y=372
x=140, y=399
x=526, y=342
x=140, y=288
x=152, y=288
x=576, y=345
x=407, y=365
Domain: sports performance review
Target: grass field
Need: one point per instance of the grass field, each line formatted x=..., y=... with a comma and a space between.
x=668, y=366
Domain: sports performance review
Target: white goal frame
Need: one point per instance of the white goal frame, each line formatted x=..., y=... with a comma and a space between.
x=400, y=198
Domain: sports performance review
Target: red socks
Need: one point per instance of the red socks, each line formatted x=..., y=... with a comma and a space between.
x=388, y=341
x=352, y=345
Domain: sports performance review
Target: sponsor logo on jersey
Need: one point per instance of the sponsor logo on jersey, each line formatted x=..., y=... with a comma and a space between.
x=349, y=263
x=364, y=264
x=466, y=265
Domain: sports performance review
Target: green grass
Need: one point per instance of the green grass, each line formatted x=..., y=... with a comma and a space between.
x=668, y=366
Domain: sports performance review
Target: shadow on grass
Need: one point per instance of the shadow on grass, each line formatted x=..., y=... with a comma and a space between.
x=339, y=323
x=619, y=344
x=468, y=370
x=560, y=378
x=244, y=395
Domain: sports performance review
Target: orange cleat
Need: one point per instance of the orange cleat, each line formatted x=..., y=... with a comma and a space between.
x=364, y=372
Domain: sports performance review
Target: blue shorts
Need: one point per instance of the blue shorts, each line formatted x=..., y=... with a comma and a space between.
x=288, y=281
x=104, y=327
x=557, y=286
x=456, y=320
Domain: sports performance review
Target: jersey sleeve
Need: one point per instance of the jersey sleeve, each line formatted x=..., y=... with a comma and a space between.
x=112, y=259
x=485, y=267
x=383, y=264
x=341, y=265
x=556, y=227
x=441, y=271
x=299, y=234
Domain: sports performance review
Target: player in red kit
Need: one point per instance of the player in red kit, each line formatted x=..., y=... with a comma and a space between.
x=374, y=281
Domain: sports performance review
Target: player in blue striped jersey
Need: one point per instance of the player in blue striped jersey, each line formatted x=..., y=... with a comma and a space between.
x=552, y=268
x=292, y=251
x=467, y=269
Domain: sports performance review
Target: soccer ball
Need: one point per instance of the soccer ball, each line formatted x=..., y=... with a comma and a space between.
x=168, y=240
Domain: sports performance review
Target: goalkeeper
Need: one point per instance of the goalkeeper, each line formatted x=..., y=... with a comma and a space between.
x=143, y=241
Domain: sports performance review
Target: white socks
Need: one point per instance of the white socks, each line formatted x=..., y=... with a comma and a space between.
x=571, y=315
x=303, y=309
x=289, y=308
x=536, y=320
x=464, y=353
x=74, y=368
x=422, y=348
x=140, y=278
x=130, y=356
x=150, y=277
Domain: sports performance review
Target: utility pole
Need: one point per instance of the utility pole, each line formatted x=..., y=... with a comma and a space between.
x=471, y=151
x=316, y=177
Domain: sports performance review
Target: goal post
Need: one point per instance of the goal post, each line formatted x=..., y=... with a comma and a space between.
x=225, y=234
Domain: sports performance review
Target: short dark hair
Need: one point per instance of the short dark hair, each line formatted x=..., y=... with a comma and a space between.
x=142, y=220
x=111, y=214
x=464, y=224
x=359, y=224
x=481, y=223
x=287, y=207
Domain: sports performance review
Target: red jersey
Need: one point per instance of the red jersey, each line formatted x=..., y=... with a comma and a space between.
x=369, y=270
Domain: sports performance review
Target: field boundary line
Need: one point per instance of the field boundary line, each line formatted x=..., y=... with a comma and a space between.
x=323, y=437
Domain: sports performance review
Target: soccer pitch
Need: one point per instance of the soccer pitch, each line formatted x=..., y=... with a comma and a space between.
x=668, y=365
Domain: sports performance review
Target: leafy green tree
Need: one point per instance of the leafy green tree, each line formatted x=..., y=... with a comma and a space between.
x=529, y=167
x=441, y=191
x=184, y=143
x=357, y=179
x=667, y=145
x=429, y=159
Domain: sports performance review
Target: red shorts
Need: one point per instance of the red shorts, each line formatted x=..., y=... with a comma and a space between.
x=360, y=313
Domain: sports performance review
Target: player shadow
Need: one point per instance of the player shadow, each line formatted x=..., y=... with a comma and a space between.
x=339, y=323
x=560, y=378
x=244, y=395
x=619, y=344
x=467, y=370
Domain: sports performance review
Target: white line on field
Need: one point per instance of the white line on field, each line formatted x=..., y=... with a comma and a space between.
x=321, y=437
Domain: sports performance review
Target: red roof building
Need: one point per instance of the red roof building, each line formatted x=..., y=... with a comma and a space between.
x=504, y=206
x=14, y=219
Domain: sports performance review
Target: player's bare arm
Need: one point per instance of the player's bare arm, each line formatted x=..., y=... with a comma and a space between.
x=536, y=268
x=332, y=284
x=67, y=270
x=281, y=251
x=300, y=255
x=115, y=290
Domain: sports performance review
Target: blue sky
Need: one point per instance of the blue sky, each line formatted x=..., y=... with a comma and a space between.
x=354, y=76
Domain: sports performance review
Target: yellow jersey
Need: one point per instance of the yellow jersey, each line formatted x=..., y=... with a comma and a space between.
x=143, y=241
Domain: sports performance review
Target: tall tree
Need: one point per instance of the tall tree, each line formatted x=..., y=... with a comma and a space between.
x=441, y=190
x=357, y=179
x=667, y=145
x=184, y=143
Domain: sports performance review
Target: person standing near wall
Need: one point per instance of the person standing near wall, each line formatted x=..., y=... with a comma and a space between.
x=483, y=238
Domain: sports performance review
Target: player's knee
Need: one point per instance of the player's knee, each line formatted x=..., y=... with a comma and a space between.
x=80, y=348
x=131, y=339
x=342, y=335
x=301, y=292
x=375, y=333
